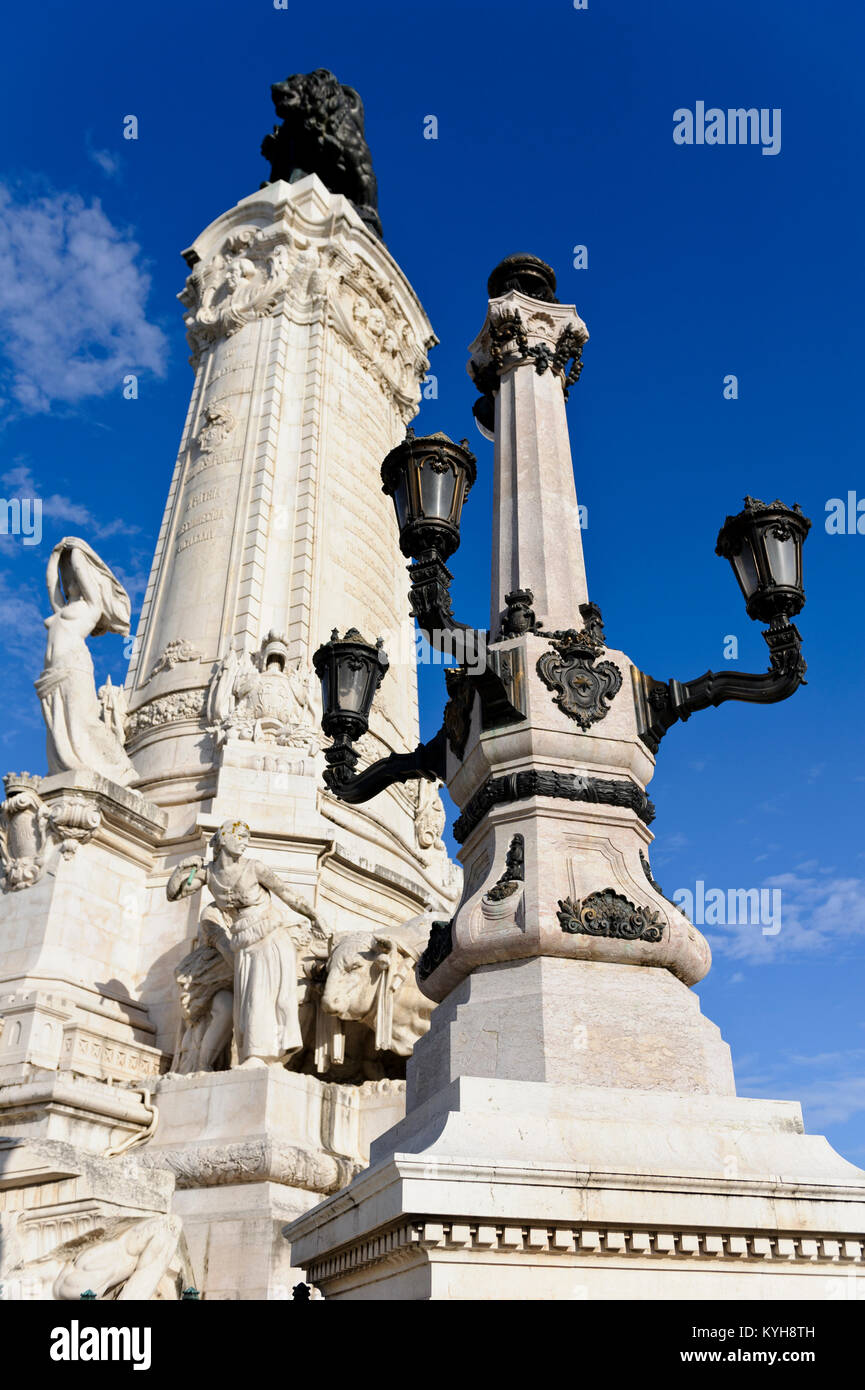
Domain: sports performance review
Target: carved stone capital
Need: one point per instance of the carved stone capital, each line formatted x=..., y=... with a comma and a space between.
x=520, y=330
x=298, y=250
x=31, y=829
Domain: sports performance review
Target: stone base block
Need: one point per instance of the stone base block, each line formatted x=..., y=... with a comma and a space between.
x=586, y=1023
x=60, y=1106
x=251, y=1149
x=234, y=1237
x=517, y=1190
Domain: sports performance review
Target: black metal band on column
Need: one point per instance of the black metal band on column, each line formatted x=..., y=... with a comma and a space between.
x=517, y=786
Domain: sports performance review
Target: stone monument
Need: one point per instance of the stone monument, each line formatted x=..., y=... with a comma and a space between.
x=572, y=1126
x=207, y=994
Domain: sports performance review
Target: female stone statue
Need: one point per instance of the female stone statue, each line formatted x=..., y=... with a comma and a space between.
x=249, y=929
x=87, y=601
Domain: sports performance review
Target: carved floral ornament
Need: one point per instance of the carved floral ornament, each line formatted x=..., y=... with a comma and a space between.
x=31, y=830
x=610, y=914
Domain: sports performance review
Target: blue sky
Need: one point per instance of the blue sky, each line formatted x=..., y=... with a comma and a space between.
x=554, y=130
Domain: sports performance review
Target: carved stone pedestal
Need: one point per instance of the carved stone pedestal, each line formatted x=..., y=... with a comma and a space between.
x=251, y=1149
x=73, y=1031
x=503, y=1188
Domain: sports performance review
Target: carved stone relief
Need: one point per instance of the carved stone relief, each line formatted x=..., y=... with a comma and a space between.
x=263, y=698
x=610, y=914
x=31, y=830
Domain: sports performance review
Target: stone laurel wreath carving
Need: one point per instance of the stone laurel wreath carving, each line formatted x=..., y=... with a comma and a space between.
x=514, y=873
x=438, y=948
x=168, y=709
x=583, y=688
x=516, y=786
x=610, y=914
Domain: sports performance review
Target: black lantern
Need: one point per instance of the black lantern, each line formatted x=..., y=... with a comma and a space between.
x=429, y=479
x=350, y=670
x=764, y=545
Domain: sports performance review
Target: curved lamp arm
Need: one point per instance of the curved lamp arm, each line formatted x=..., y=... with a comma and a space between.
x=432, y=607
x=661, y=703
x=501, y=685
x=427, y=761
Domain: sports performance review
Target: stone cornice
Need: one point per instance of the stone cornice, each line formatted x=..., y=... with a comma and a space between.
x=414, y=1239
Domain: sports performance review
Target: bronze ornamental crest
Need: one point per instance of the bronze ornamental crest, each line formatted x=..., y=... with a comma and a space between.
x=610, y=914
x=584, y=686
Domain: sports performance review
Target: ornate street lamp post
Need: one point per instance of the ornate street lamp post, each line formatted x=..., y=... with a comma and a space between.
x=571, y=1113
x=549, y=735
x=524, y=361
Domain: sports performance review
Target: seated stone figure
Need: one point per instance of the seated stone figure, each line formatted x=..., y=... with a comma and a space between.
x=253, y=935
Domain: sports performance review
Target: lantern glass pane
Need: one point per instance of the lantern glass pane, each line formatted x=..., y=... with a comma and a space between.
x=783, y=559
x=437, y=492
x=401, y=504
x=352, y=682
x=326, y=688
x=746, y=570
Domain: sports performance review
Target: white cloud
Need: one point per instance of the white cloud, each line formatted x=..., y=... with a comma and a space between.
x=816, y=913
x=20, y=482
x=72, y=303
x=21, y=621
x=107, y=162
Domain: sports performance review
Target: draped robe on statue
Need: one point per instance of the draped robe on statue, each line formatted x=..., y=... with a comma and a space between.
x=87, y=601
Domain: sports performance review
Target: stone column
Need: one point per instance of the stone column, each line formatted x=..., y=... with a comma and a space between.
x=308, y=346
x=522, y=355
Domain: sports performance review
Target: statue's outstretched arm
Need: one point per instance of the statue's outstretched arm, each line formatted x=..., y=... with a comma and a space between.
x=271, y=880
x=189, y=877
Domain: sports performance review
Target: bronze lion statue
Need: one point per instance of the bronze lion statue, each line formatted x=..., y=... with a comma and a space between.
x=322, y=133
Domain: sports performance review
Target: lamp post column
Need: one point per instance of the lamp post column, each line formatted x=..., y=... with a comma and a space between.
x=526, y=355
